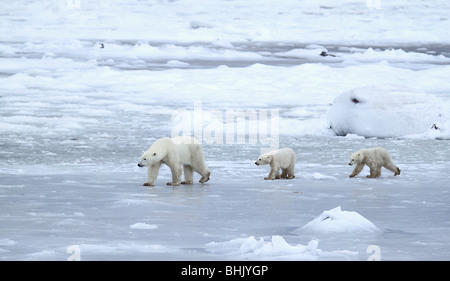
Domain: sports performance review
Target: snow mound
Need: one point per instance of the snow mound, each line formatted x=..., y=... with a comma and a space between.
x=385, y=112
x=142, y=225
x=275, y=249
x=319, y=176
x=338, y=221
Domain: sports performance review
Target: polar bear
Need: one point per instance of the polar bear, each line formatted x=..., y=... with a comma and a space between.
x=283, y=159
x=375, y=158
x=175, y=152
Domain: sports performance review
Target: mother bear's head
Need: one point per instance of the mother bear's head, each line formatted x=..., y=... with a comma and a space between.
x=155, y=153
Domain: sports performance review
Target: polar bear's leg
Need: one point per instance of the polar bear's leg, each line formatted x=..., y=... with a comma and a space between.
x=152, y=173
x=357, y=170
x=188, y=175
x=391, y=167
x=204, y=172
x=205, y=176
x=271, y=175
x=290, y=171
x=199, y=166
x=374, y=171
x=378, y=171
x=284, y=173
x=277, y=173
x=274, y=173
x=176, y=175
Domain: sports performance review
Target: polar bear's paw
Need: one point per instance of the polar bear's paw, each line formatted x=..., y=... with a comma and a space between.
x=173, y=183
x=147, y=184
x=187, y=182
x=205, y=179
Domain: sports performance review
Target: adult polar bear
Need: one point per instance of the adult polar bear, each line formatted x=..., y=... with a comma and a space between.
x=375, y=158
x=175, y=152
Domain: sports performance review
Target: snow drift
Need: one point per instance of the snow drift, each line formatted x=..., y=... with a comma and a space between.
x=385, y=112
x=338, y=221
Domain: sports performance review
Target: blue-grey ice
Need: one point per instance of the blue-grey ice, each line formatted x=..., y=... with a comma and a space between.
x=86, y=86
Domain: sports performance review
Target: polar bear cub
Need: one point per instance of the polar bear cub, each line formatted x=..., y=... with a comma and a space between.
x=175, y=152
x=283, y=159
x=375, y=158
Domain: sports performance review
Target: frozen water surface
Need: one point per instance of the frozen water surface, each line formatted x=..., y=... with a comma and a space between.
x=80, y=100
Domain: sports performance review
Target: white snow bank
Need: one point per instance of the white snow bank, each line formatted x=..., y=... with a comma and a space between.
x=277, y=248
x=439, y=130
x=311, y=51
x=142, y=225
x=385, y=112
x=78, y=96
x=319, y=176
x=338, y=221
x=235, y=21
x=393, y=56
x=352, y=55
x=169, y=51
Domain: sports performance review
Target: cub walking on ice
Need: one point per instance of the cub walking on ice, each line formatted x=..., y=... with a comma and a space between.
x=283, y=159
x=375, y=158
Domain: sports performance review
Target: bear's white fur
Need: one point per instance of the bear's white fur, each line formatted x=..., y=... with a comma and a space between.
x=283, y=159
x=375, y=158
x=175, y=152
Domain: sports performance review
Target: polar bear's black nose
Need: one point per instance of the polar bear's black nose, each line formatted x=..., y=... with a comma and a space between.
x=256, y=163
x=139, y=165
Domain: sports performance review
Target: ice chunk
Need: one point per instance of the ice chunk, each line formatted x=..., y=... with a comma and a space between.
x=277, y=248
x=338, y=221
x=319, y=176
x=142, y=225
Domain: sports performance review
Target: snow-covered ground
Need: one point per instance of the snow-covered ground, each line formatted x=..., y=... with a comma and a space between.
x=86, y=86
